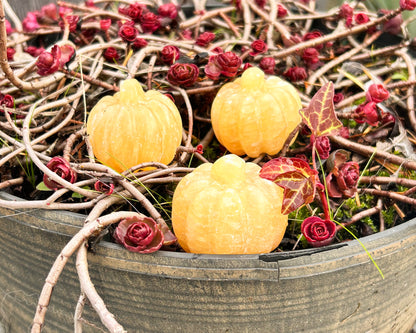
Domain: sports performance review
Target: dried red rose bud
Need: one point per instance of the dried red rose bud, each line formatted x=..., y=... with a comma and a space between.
x=62, y=168
x=72, y=21
x=111, y=54
x=34, y=51
x=10, y=53
x=168, y=10
x=50, y=11
x=377, y=93
x=338, y=97
x=139, y=234
x=183, y=74
x=318, y=232
x=139, y=43
x=267, y=64
x=408, y=4
x=169, y=54
x=367, y=113
x=150, y=22
x=7, y=100
x=345, y=11
x=135, y=11
x=30, y=22
x=105, y=24
x=205, y=38
x=106, y=187
x=258, y=47
x=394, y=25
x=361, y=18
x=226, y=64
x=348, y=22
x=199, y=149
x=323, y=146
x=128, y=32
x=342, y=180
x=313, y=35
x=281, y=11
x=310, y=56
x=49, y=62
x=296, y=74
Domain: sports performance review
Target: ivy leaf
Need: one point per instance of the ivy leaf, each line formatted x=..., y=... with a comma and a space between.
x=297, y=179
x=320, y=115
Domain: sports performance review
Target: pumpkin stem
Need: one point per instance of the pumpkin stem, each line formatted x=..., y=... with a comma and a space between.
x=252, y=78
x=131, y=91
x=229, y=169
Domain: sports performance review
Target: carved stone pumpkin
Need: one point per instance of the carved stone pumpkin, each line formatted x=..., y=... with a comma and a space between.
x=252, y=115
x=226, y=208
x=134, y=127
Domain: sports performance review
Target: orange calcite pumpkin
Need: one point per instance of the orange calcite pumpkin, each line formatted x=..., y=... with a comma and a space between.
x=226, y=208
x=134, y=127
x=253, y=115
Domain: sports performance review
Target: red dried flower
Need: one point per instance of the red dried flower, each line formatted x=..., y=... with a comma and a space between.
x=7, y=100
x=183, y=74
x=150, y=22
x=408, y=4
x=281, y=11
x=10, y=53
x=267, y=64
x=106, y=187
x=139, y=234
x=168, y=10
x=361, y=18
x=258, y=47
x=313, y=35
x=343, y=179
x=367, y=113
x=105, y=24
x=128, y=32
x=111, y=54
x=318, y=232
x=377, y=93
x=169, y=54
x=296, y=74
x=226, y=64
x=311, y=56
x=394, y=25
x=72, y=21
x=323, y=146
x=30, y=22
x=205, y=38
x=338, y=97
x=345, y=11
x=50, y=11
x=139, y=43
x=187, y=34
x=49, y=62
x=135, y=11
x=62, y=168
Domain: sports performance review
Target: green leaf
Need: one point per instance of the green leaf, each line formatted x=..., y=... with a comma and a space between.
x=42, y=187
x=320, y=115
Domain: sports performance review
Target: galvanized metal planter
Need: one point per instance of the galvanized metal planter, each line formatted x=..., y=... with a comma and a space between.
x=336, y=290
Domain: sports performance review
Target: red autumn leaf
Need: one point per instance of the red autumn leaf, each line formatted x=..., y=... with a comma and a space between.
x=320, y=115
x=297, y=179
